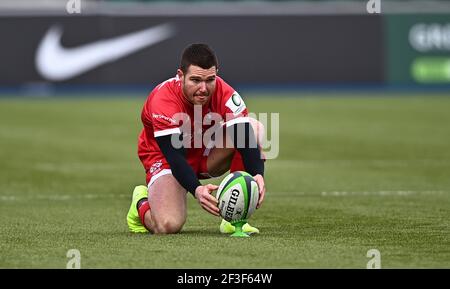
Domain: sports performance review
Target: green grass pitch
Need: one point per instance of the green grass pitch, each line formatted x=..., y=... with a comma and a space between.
x=353, y=174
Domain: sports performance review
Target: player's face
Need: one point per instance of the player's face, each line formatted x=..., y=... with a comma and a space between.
x=198, y=84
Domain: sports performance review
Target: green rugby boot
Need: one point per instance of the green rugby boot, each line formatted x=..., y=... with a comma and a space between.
x=134, y=222
x=227, y=228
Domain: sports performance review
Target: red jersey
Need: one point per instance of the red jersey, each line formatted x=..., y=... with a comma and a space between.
x=160, y=116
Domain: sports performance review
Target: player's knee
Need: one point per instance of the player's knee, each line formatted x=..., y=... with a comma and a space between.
x=258, y=129
x=169, y=226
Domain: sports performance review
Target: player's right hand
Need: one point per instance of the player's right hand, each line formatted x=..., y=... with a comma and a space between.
x=262, y=189
x=206, y=200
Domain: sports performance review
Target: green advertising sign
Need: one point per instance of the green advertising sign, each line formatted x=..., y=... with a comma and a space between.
x=418, y=49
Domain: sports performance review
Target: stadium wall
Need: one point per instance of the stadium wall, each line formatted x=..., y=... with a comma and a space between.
x=284, y=49
x=251, y=50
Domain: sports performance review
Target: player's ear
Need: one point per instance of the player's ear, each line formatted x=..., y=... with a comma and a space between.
x=180, y=73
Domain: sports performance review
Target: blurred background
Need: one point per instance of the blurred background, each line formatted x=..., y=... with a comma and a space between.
x=260, y=44
x=363, y=104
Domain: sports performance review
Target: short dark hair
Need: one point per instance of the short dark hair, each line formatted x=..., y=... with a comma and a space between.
x=198, y=54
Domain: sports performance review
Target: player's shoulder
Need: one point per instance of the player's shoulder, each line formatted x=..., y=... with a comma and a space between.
x=227, y=99
x=223, y=88
x=163, y=98
x=222, y=83
x=164, y=92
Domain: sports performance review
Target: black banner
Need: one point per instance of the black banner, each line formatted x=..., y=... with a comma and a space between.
x=223, y=278
x=252, y=50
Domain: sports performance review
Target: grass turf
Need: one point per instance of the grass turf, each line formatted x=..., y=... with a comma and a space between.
x=353, y=174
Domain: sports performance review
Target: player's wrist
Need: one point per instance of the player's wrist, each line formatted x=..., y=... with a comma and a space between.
x=259, y=176
x=198, y=189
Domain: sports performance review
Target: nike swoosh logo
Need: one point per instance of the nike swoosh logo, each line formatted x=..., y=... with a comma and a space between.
x=57, y=63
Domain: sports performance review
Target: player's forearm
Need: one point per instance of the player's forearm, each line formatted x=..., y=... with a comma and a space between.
x=184, y=174
x=247, y=147
x=181, y=170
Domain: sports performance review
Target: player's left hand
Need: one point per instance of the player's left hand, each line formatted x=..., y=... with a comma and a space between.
x=262, y=189
x=206, y=200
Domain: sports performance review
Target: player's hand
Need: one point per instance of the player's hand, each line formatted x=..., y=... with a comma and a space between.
x=262, y=189
x=206, y=200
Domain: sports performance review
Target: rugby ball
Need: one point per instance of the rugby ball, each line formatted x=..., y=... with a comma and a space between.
x=238, y=195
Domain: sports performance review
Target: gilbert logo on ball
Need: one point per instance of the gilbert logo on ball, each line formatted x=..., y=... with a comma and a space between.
x=238, y=196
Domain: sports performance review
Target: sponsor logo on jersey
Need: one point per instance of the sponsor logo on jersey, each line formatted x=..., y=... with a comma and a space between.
x=235, y=103
x=156, y=166
x=236, y=99
x=166, y=118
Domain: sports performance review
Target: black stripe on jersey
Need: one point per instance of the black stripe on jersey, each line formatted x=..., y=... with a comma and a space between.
x=248, y=182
